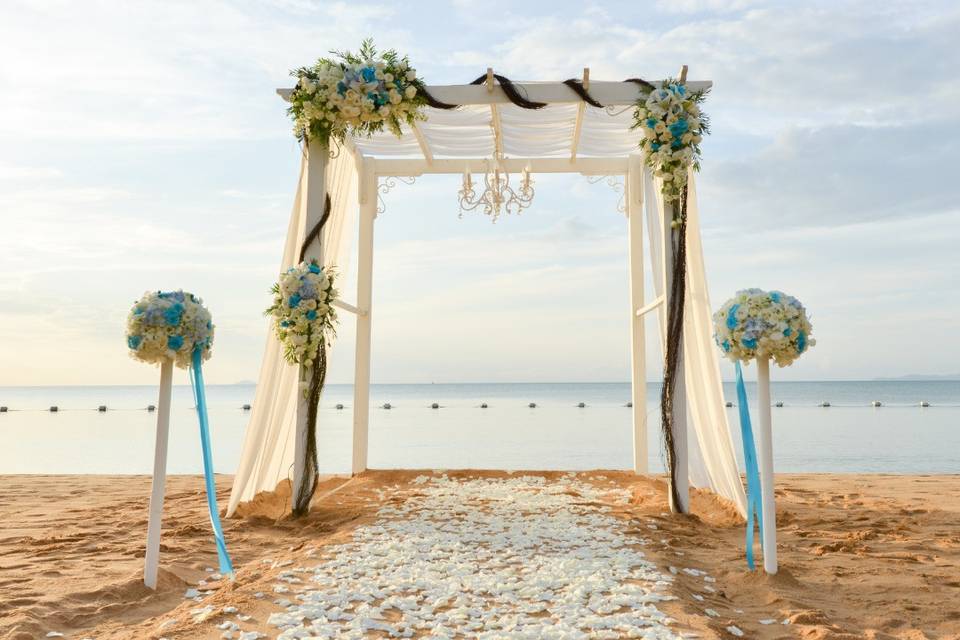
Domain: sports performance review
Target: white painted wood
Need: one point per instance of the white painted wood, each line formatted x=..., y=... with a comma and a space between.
x=418, y=167
x=422, y=141
x=340, y=304
x=647, y=308
x=578, y=124
x=608, y=93
x=318, y=156
x=361, y=384
x=151, y=560
x=638, y=363
x=765, y=455
x=681, y=452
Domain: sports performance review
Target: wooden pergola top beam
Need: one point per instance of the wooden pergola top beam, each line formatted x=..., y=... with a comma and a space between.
x=606, y=92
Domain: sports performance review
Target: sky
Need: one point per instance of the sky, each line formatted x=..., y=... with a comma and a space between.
x=142, y=146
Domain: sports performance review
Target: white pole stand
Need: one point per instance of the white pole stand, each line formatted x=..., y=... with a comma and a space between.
x=765, y=456
x=152, y=556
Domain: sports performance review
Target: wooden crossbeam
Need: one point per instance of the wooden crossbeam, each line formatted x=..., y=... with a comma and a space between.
x=581, y=110
x=422, y=141
x=609, y=93
x=495, y=116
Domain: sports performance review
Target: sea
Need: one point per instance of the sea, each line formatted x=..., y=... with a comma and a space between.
x=900, y=436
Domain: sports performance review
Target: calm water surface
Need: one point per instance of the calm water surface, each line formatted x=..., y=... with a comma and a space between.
x=849, y=436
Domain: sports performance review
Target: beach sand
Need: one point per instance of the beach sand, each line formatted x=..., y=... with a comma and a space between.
x=862, y=556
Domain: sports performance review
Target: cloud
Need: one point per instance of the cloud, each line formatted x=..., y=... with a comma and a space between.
x=837, y=175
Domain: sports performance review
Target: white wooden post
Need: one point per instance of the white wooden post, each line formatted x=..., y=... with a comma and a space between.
x=638, y=362
x=765, y=434
x=680, y=389
x=151, y=559
x=318, y=155
x=361, y=383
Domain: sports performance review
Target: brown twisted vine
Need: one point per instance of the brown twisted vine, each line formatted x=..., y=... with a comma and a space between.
x=678, y=248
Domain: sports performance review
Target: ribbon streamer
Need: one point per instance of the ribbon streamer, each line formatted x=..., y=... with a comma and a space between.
x=200, y=398
x=750, y=462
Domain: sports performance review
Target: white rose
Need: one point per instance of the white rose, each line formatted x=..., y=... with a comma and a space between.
x=410, y=92
x=411, y=74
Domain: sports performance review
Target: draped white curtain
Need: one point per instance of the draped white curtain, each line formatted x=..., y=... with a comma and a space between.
x=712, y=463
x=267, y=456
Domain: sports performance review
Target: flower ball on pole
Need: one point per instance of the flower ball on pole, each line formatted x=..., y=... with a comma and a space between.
x=174, y=328
x=761, y=325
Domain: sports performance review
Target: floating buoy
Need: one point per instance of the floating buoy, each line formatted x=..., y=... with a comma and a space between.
x=54, y=409
x=779, y=404
x=3, y=409
x=102, y=408
x=386, y=405
x=581, y=405
x=246, y=407
x=924, y=403
x=629, y=404
x=435, y=406
x=483, y=406
x=339, y=406
x=729, y=404
x=150, y=407
x=824, y=404
x=876, y=403
x=532, y=405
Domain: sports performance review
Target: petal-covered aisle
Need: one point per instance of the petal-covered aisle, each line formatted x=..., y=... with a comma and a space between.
x=513, y=557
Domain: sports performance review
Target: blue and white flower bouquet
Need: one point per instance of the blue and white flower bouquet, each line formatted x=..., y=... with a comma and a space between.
x=673, y=127
x=761, y=324
x=302, y=312
x=356, y=93
x=169, y=326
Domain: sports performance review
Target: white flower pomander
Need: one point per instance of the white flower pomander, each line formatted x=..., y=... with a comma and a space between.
x=302, y=313
x=166, y=326
x=761, y=324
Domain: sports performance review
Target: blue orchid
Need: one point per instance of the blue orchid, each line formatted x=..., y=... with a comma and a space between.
x=134, y=341
x=293, y=301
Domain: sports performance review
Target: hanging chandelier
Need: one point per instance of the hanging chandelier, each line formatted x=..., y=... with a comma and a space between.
x=498, y=195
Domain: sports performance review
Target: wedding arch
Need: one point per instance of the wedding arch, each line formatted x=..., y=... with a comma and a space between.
x=497, y=126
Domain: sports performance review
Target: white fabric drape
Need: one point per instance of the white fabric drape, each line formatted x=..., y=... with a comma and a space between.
x=712, y=463
x=267, y=456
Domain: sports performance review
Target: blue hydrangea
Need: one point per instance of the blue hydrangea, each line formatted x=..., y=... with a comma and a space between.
x=175, y=342
x=732, y=317
x=679, y=127
x=369, y=74
x=311, y=314
x=293, y=301
x=173, y=313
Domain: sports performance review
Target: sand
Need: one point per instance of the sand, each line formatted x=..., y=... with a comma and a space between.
x=862, y=556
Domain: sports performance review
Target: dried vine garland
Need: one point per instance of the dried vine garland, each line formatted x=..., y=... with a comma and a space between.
x=678, y=249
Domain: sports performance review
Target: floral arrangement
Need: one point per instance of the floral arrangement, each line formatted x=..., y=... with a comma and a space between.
x=756, y=323
x=673, y=127
x=169, y=326
x=301, y=311
x=356, y=93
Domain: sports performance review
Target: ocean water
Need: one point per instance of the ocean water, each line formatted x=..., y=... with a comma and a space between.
x=849, y=436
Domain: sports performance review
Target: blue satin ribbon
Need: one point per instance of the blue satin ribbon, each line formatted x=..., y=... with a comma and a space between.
x=200, y=398
x=754, y=505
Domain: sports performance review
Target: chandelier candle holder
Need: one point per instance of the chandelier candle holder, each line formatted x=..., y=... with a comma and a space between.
x=174, y=328
x=498, y=195
x=761, y=325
